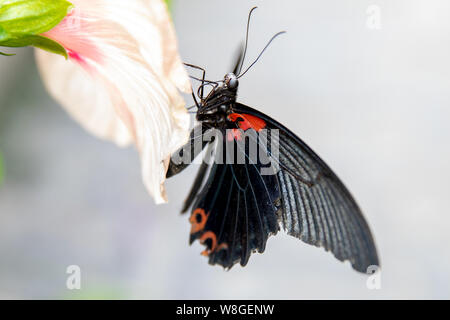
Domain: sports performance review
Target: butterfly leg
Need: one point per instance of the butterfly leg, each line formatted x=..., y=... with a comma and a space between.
x=203, y=79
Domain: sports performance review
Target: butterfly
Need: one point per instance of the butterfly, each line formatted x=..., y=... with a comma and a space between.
x=237, y=205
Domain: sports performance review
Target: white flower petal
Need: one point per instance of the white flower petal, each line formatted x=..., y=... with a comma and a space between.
x=86, y=100
x=164, y=58
x=122, y=78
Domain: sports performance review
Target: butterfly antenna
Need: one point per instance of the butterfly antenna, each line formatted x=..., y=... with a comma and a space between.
x=246, y=40
x=259, y=56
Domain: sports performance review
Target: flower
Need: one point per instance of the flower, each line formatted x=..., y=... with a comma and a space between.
x=121, y=79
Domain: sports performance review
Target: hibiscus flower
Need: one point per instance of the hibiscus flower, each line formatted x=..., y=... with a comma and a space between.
x=122, y=78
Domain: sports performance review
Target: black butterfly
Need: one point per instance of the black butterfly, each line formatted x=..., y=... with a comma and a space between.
x=236, y=208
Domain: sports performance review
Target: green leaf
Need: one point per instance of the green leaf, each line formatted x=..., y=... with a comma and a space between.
x=20, y=18
x=38, y=42
x=23, y=21
x=3, y=33
x=50, y=46
x=7, y=54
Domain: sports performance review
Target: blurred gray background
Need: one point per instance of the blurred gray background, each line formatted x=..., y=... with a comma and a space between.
x=374, y=103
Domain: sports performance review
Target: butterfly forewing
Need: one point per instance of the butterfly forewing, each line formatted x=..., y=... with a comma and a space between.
x=316, y=206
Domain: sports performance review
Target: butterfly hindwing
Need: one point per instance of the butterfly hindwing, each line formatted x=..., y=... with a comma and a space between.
x=191, y=150
x=235, y=213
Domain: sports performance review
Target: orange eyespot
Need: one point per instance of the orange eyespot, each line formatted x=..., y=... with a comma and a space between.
x=198, y=220
x=209, y=235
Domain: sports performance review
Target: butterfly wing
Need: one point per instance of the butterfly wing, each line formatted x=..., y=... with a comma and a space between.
x=235, y=212
x=199, y=179
x=316, y=206
x=184, y=156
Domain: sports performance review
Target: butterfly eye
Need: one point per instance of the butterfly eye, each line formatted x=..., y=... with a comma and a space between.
x=231, y=81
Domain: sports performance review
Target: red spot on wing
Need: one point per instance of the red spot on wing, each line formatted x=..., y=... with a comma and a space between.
x=234, y=134
x=246, y=121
